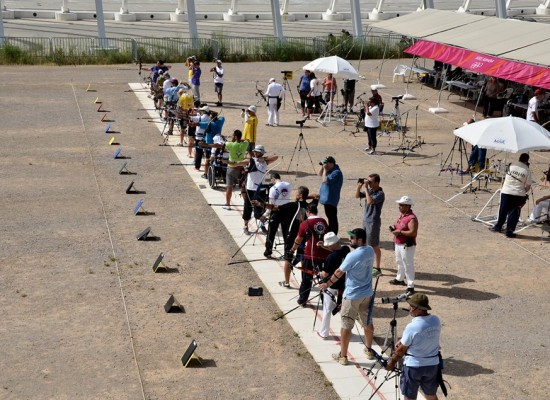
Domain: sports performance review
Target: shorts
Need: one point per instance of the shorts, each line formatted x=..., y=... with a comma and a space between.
x=191, y=131
x=232, y=176
x=218, y=87
x=413, y=378
x=373, y=233
x=355, y=309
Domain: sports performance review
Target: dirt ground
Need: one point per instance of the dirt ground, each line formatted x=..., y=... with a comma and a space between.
x=83, y=313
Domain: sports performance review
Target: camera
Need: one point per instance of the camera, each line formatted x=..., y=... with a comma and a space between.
x=394, y=300
x=286, y=72
x=301, y=122
x=243, y=110
x=361, y=180
x=392, y=228
x=397, y=97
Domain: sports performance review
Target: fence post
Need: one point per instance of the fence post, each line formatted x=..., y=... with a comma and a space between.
x=135, y=54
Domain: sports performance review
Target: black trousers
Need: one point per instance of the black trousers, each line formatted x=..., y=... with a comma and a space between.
x=332, y=216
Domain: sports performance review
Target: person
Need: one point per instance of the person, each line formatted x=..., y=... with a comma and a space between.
x=533, y=106
x=331, y=294
x=331, y=186
x=312, y=231
x=376, y=95
x=211, y=129
x=157, y=69
x=250, y=129
x=374, y=200
x=513, y=195
x=217, y=72
x=477, y=155
x=372, y=123
x=255, y=189
x=348, y=92
x=329, y=88
x=196, y=82
x=291, y=214
x=490, y=94
x=279, y=194
x=540, y=204
x=200, y=133
x=404, y=232
x=237, y=152
x=274, y=93
x=190, y=63
x=420, y=347
x=314, y=95
x=303, y=90
x=185, y=106
x=357, y=295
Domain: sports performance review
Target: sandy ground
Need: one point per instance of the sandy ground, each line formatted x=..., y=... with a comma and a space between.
x=83, y=312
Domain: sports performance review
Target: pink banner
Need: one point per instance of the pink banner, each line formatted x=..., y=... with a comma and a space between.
x=528, y=74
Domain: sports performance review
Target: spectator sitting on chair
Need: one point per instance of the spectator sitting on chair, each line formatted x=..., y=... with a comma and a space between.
x=477, y=155
x=540, y=204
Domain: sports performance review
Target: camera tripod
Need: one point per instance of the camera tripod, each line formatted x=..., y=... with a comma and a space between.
x=286, y=87
x=301, y=141
x=447, y=165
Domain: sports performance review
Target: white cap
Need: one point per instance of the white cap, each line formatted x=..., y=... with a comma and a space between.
x=271, y=80
x=252, y=108
x=205, y=109
x=330, y=239
x=405, y=200
x=259, y=148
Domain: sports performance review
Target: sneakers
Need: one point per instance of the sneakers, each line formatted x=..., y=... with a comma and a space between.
x=267, y=254
x=284, y=284
x=204, y=176
x=368, y=353
x=493, y=229
x=226, y=207
x=397, y=282
x=510, y=235
x=372, y=152
x=246, y=231
x=321, y=336
x=410, y=291
x=343, y=360
x=368, y=149
x=376, y=272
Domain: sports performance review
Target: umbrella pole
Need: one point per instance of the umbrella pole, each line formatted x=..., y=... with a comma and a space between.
x=439, y=109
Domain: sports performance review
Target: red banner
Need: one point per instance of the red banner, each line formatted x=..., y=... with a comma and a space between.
x=527, y=74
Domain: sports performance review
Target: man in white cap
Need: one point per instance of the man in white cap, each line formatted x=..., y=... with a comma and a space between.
x=420, y=347
x=217, y=72
x=274, y=94
x=331, y=242
x=404, y=237
x=250, y=127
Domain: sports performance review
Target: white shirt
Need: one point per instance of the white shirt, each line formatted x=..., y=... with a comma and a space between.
x=315, y=87
x=200, y=118
x=274, y=89
x=256, y=174
x=517, y=177
x=532, y=108
x=217, y=78
x=371, y=121
x=279, y=193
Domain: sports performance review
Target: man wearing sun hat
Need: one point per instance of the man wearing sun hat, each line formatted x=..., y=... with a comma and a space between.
x=404, y=238
x=250, y=128
x=420, y=347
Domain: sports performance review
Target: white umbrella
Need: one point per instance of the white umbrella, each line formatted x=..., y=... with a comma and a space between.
x=510, y=134
x=333, y=65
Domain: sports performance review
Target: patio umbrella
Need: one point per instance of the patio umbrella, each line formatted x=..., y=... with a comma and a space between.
x=510, y=134
x=334, y=65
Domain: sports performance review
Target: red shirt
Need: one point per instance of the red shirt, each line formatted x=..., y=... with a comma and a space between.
x=403, y=224
x=313, y=229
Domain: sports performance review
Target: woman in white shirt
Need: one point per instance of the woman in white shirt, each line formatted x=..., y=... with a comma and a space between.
x=314, y=95
x=371, y=123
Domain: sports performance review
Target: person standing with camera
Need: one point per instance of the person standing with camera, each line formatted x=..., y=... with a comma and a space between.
x=331, y=186
x=513, y=196
x=374, y=200
x=372, y=123
x=217, y=73
x=404, y=237
x=420, y=347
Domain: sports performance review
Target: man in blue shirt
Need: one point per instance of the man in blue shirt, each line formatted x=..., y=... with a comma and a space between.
x=330, y=190
x=357, y=296
x=420, y=346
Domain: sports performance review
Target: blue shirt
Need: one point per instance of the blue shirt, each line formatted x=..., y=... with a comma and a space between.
x=196, y=78
x=330, y=190
x=304, y=83
x=421, y=337
x=358, y=268
x=172, y=93
x=212, y=130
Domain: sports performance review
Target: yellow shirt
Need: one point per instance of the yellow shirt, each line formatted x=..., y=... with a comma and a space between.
x=250, y=128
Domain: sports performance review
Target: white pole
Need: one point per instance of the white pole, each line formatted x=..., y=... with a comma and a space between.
x=181, y=7
x=356, y=18
x=124, y=7
x=65, y=6
x=331, y=7
x=192, y=19
x=233, y=8
x=2, y=7
x=277, y=24
x=500, y=6
x=284, y=8
x=100, y=23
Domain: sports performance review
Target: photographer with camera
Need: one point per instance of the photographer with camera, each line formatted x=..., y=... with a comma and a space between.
x=332, y=296
x=372, y=123
x=374, y=200
x=274, y=94
x=420, y=347
x=217, y=73
x=331, y=186
x=404, y=237
x=357, y=295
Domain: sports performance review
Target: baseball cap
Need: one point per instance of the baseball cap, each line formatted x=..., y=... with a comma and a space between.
x=359, y=233
x=405, y=200
x=271, y=80
x=205, y=109
x=419, y=300
x=329, y=159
